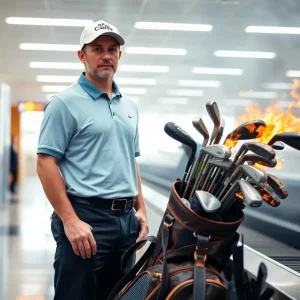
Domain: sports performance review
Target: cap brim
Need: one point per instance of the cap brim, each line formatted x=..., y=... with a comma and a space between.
x=116, y=36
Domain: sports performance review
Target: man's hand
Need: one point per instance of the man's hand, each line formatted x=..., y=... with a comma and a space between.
x=81, y=238
x=144, y=228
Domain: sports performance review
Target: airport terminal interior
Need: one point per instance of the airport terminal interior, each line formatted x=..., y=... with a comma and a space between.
x=178, y=56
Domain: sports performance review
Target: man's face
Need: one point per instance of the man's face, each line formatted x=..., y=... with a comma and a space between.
x=101, y=57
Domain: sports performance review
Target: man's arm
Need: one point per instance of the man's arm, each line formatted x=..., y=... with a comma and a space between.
x=140, y=208
x=77, y=231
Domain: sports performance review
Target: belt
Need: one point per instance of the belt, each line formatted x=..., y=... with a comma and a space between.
x=112, y=204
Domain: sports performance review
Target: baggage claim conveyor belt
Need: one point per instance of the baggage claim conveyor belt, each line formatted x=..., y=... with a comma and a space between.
x=283, y=279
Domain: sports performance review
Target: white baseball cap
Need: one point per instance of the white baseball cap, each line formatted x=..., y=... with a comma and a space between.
x=94, y=30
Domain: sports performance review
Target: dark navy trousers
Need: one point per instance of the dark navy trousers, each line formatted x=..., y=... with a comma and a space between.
x=93, y=278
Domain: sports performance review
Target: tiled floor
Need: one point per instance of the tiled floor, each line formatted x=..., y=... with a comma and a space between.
x=26, y=245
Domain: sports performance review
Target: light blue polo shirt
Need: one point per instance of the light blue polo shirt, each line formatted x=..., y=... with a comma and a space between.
x=96, y=140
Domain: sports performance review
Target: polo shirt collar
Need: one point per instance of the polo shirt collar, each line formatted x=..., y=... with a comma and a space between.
x=92, y=90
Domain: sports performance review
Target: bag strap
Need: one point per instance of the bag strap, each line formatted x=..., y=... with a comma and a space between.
x=199, y=267
x=130, y=275
x=168, y=222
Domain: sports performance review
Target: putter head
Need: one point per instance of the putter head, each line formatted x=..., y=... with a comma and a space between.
x=208, y=202
x=250, y=195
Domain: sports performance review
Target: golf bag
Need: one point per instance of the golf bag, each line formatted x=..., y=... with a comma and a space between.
x=184, y=261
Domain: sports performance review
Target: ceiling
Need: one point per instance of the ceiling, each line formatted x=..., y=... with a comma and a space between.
x=228, y=17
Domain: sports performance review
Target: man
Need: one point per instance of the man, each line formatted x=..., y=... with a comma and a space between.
x=88, y=142
x=14, y=162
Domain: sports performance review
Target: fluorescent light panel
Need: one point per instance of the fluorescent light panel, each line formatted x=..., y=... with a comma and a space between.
x=155, y=51
x=277, y=85
x=56, y=78
x=177, y=101
x=217, y=71
x=136, y=81
x=144, y=68
x=49, y=47
x=199, y=83
x=258, y=94
x=47, y=22
x=173, y=26
x=237, y=102
x=54, y=88
x=273, y=30
x=292, y=73
x=185, y=92
x=56, y=65
x=133, y=91
x=245, y=54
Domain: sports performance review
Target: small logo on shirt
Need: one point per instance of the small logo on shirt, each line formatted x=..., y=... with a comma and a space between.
x=130, y=116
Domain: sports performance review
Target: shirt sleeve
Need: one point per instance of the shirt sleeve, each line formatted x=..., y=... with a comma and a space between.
x=136, y=139
x=58, y=127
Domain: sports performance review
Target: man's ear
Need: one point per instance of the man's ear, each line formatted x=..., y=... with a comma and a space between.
x=81, y=56
x=120, y=54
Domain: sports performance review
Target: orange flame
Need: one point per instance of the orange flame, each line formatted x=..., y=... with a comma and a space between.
x=277, y=119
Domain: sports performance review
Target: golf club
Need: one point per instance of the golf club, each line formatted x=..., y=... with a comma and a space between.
x=213, y=112
x=177, y=133
x=201, y=128
x=292, y=139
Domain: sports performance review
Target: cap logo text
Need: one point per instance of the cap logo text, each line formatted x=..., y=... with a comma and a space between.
x=103, y=26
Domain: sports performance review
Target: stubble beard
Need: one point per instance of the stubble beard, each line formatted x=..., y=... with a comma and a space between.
x=100, y=74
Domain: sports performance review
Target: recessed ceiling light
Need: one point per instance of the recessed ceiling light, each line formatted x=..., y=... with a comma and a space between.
x=155, y=51
x=237, y=102
x=173, y=26
x=245, y=54
x=273, y=30
x=56, y=65
x=217, y=71
x=47, y=21
x=199, y=83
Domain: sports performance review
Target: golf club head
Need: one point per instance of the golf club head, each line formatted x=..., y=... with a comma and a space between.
x=248, y=131
x=214, y=113
x=278, y=186
x=221, y=164
x=262, y=150
x=250, y=195
x=290, y=138
x=178, y=134
x=209, y=202
x=255, y=174
x=217, y=151
x=255, y=159
x=186, y=202
x=220, y=132
x=278, y=145
x=266, y=193
x=201, y=128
